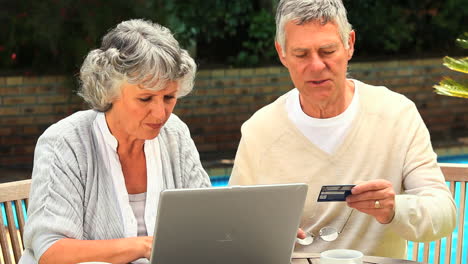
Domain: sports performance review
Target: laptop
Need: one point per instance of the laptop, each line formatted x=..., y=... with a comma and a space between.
x=228, y=225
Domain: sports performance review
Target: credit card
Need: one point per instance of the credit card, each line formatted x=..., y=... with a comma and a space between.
x=334, y=193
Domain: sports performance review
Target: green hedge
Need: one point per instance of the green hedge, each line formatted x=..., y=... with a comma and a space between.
x=55, y=35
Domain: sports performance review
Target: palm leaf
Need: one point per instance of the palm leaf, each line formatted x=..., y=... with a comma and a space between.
x=460, y=65
x=451, y=87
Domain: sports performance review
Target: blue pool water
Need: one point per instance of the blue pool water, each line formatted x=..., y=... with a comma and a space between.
x=454, y=159
x=219, y=181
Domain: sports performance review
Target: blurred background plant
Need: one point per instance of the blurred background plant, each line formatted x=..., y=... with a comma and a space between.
x=55, y=35
x=406, y=28
x=449, y=86
x=258, y=45
x=213, y=24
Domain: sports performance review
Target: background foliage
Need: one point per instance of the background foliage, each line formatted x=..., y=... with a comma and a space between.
x=55, y=35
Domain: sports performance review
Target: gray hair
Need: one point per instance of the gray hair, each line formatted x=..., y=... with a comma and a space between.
x=304, y=11
x=138, y=52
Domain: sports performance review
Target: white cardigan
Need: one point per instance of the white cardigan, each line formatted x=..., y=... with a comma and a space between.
x=73, y=195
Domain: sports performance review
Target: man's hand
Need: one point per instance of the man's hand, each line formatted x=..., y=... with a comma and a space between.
x=376, y=198
x=301, y=234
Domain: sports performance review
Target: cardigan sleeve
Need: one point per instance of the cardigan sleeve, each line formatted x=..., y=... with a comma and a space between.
x=426, y=210
x=56, y=199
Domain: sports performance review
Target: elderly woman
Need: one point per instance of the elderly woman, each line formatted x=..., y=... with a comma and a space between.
x=98, y=173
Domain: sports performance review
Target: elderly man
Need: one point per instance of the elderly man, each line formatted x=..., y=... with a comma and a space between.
x=334, y=130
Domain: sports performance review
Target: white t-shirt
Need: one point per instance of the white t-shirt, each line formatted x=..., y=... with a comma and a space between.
x=138, y=202
x=326, y=133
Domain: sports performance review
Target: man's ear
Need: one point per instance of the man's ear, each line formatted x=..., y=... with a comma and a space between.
x=279, y=50
x=351, y=41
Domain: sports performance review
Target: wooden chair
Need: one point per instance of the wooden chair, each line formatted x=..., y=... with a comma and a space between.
x=457, y=177
x=12, y=195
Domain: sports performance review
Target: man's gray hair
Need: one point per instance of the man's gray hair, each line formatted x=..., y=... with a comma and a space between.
x=304, y=11
x=138, y=52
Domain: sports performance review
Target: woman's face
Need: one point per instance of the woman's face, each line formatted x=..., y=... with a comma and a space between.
x=139, y=114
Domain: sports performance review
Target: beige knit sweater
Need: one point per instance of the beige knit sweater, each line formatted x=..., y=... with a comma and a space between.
x=387, y=140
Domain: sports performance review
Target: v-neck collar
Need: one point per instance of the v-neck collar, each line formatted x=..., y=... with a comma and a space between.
x=341, y=149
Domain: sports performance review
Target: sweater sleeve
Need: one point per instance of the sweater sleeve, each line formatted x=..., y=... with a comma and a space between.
x=426, y=210
x=56, y=204
x=242, y=172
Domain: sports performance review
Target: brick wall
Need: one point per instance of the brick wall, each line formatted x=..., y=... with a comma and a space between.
x=28, y=105
x=221, y=101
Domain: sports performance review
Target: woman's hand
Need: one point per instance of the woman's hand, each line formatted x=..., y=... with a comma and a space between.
x=376, y=198
x=123, y=250
x=146, y=244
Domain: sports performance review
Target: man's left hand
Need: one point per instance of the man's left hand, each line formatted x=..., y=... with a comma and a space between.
x=376, y=198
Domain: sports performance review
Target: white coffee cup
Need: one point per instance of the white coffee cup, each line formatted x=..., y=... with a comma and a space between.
x=341, y=256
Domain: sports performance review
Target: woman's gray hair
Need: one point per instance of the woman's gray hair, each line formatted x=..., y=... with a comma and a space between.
x=138, y=52
x=304, y=11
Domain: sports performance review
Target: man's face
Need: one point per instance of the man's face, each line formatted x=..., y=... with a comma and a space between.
x=316, y=59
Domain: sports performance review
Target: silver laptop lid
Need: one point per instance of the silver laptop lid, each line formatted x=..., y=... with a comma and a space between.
x=230, y=225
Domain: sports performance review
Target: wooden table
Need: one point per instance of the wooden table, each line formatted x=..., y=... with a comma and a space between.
x=314, y=258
